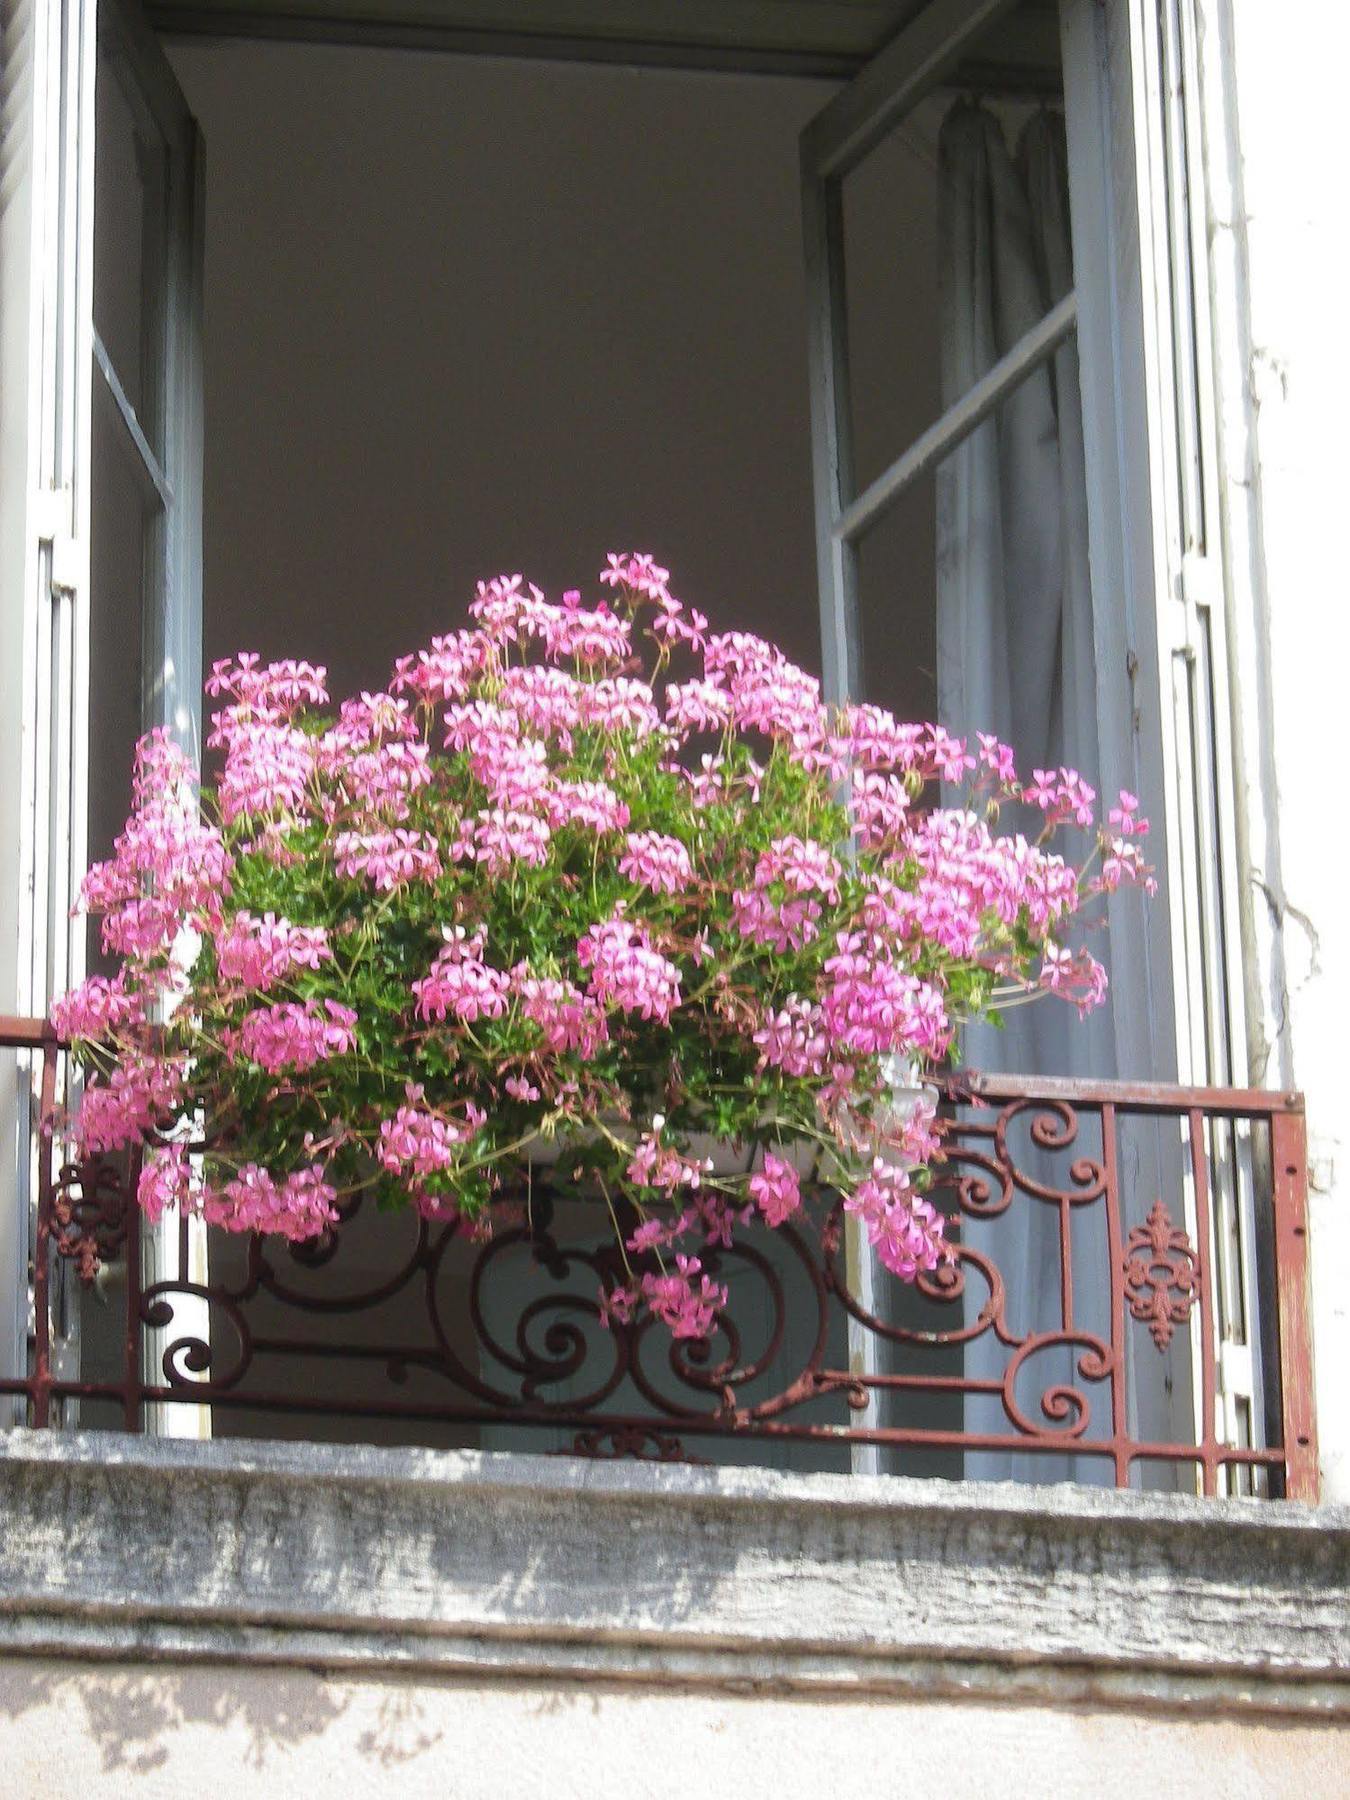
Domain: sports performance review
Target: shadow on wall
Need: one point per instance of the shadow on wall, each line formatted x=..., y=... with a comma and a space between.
x=205, y=1721
x=130, y=1716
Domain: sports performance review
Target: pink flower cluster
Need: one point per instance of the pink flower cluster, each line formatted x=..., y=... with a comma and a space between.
x=295, y=1037
x=1074, y=975
x=625, y=971
x=1062, y=795
x=1123, y=863
x=686, y=1300
x=966, y=873
x=268, y=770
x=656, y=862
x=258, y=953
x=903, y=1228
x=658, y=1165
x=387, y=859
x=97, y=1010
x=141, y=1092
x=419, y=1142
x=874, y=1006
x=169, y=869
x=776, y=1190
x=300, y=1205
x=165, y=1182
x=508, y=611
x=569, y=1021
x=460, y=985
x=793, y=1038
x=374, y=759
x=780, y=909
x=592, y=872
x=592, y=805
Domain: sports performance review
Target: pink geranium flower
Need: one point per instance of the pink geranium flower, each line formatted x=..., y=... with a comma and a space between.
x=587, y=872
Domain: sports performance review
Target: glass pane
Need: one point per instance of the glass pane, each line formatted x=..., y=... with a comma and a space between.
x=130, y=238
x=890, y=204
x=897, y=584
x=956, y=237
x=976, y=609
x=123, y=539
x=121, y=533
x=1012, y=582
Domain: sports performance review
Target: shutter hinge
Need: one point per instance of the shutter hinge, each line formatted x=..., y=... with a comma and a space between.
x=1236, y=1391
x=52, y=509
x=1196, y=587
x=1236, y=1375
x=1199, y=582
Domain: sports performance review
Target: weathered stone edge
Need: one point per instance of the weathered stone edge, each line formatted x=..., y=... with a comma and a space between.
x=410, y=1468
x=768, y=1674
x=463, y=1563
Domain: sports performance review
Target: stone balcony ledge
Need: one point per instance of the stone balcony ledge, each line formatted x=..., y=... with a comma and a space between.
x=465, y=1562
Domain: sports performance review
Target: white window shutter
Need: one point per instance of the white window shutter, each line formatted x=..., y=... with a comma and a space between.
x=1137, y=166
x=46, y=289
x=1205, y=862
x=1205, y=859
x=48, y=345
x=46, y=253
x=154, y=426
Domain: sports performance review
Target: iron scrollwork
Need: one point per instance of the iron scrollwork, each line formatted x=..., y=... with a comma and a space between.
x=1162, y=1275
x=90, y=1205
x=502, y=1326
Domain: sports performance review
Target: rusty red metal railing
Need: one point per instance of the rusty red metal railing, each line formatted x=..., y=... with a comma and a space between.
x=1128, y=1303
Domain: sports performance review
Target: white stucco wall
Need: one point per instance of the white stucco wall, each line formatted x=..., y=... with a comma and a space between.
x=143, y=1730
x=1274, y=78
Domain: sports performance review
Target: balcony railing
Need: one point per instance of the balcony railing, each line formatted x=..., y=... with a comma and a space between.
x=1128, y=1305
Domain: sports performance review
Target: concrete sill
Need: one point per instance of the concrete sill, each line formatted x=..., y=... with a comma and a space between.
x=466, y=1562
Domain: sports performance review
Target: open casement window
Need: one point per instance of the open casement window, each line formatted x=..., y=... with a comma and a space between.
x=100, y=546
x=100, y=314
x=1110, y=358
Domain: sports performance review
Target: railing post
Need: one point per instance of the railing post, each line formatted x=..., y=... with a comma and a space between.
x=40, y=1389
x=133, y=1349
x=1289, y=1156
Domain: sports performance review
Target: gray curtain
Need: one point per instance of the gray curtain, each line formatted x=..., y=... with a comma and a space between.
x=1015, y=656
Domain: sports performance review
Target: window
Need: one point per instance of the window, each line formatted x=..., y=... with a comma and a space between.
x=426, y=223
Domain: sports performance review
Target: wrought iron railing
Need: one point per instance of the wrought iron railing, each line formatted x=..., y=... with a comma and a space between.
x=1128, y=1304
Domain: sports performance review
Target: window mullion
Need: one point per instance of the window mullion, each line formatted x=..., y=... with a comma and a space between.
x=960, y=420
x=152, y=476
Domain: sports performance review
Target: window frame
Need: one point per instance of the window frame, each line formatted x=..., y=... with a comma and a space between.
x=56, y=371
x=1154, y=583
